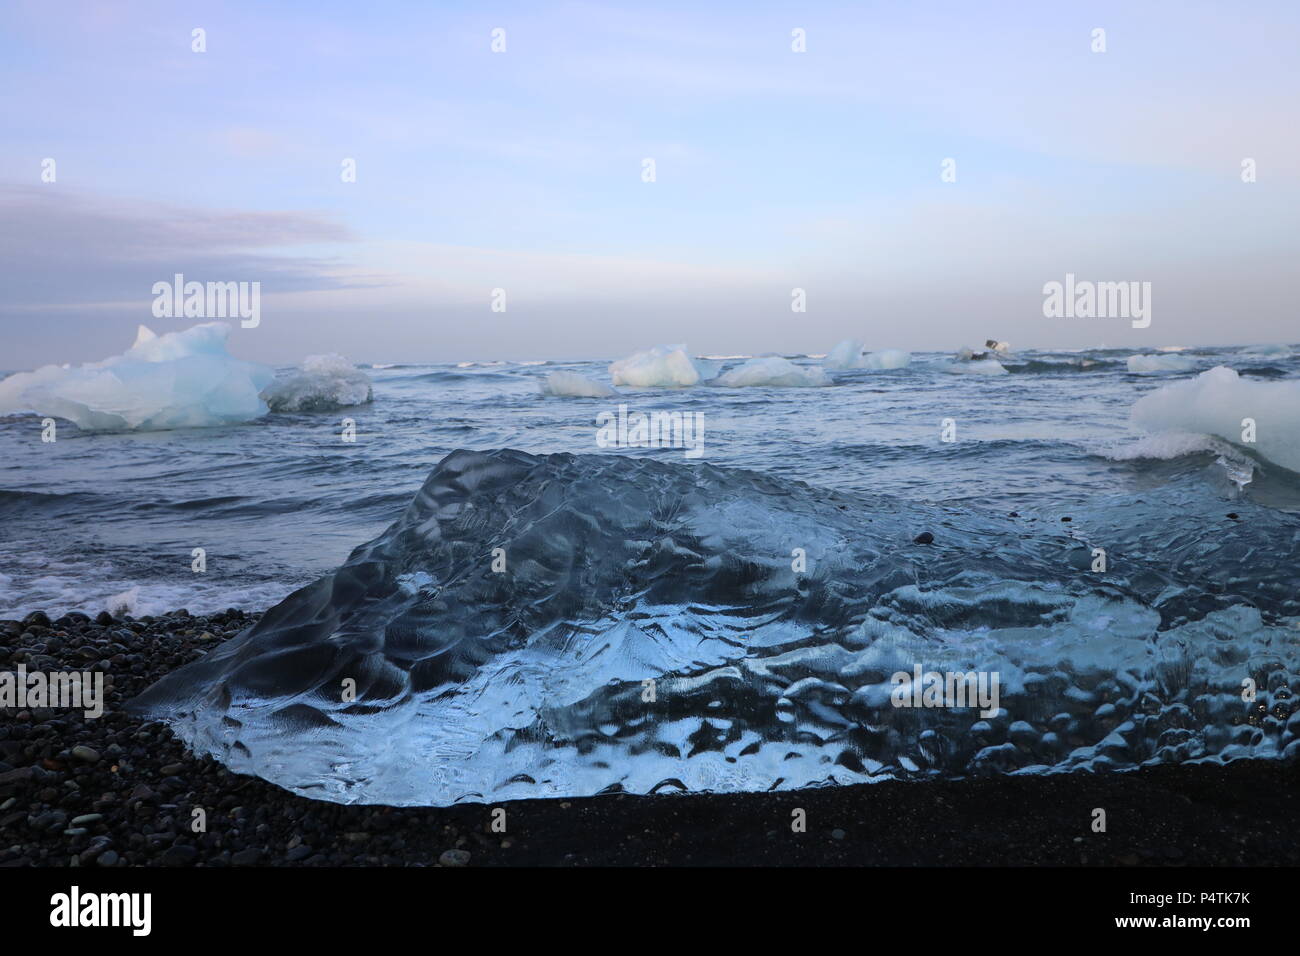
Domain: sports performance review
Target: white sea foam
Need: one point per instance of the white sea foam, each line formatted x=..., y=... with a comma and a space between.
x=41, y=583
x=1218, y=401
x=178, y=380
x=774, y=371
x=1168, y=362
x=573, y=385
x=664, y=366
x=1164, y=446
x=322, y=383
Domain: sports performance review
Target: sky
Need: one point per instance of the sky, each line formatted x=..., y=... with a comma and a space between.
x=523, y=170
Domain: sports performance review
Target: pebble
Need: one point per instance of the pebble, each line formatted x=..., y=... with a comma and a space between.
x=924, y=537
x=247, y=857
x=86, y=754
x=179, y=855
x=454, y=858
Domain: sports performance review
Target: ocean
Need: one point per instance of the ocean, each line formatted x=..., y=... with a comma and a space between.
x=1034, y=562
x=95, y=519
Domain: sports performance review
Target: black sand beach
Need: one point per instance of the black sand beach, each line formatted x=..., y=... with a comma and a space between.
x=116, y=792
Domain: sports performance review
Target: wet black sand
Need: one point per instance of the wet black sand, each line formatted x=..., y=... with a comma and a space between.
x=115, y=792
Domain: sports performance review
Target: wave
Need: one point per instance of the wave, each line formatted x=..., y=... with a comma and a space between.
x=1059, y=366
x=545, y=626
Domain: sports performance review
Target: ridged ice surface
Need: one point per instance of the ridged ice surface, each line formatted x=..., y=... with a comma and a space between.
x=476, y=684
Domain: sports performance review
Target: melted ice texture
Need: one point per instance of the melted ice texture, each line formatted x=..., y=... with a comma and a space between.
x=648, y=633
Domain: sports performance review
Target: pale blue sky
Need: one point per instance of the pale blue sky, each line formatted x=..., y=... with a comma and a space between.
x=522, y=170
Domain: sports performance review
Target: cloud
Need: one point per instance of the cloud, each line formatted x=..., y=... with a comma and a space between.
x=62, y=249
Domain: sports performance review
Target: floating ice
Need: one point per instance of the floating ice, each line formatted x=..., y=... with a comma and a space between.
x=573, y=385
x=1168, y=362
x=176, y=380
x=848, y=355
x=887, y=359
x=845, y=355
x=663, y=365
x=774, y=371
x=322, y=384
x=650, y=626
x=1218, y=401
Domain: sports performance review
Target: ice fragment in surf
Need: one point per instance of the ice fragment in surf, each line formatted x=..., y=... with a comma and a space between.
x=662, y=366
x=650, y=629
x=321, y=384
x=775, y=372
x=573, y=385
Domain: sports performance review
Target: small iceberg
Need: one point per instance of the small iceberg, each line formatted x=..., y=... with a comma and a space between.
x=322, y=384
x=887, y=359
x=177, y=380
x=1263, y=417
x=774, y=371
x=844, y=356
x=849, y=355
x=1166, y=362
x=573, y=385
x=664, y=366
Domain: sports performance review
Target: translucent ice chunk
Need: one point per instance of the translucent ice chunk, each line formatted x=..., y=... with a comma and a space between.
x=648, y=624
x=773, y=371
x=845, y=355
x=1220, y=402
x=176, y=380
x=662, y=366
x=849, y=355
x=887, y=359
x=323, y=383
x=573, y=385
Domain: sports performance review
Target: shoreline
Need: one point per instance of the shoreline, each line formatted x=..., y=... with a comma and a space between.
x=118, y=791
